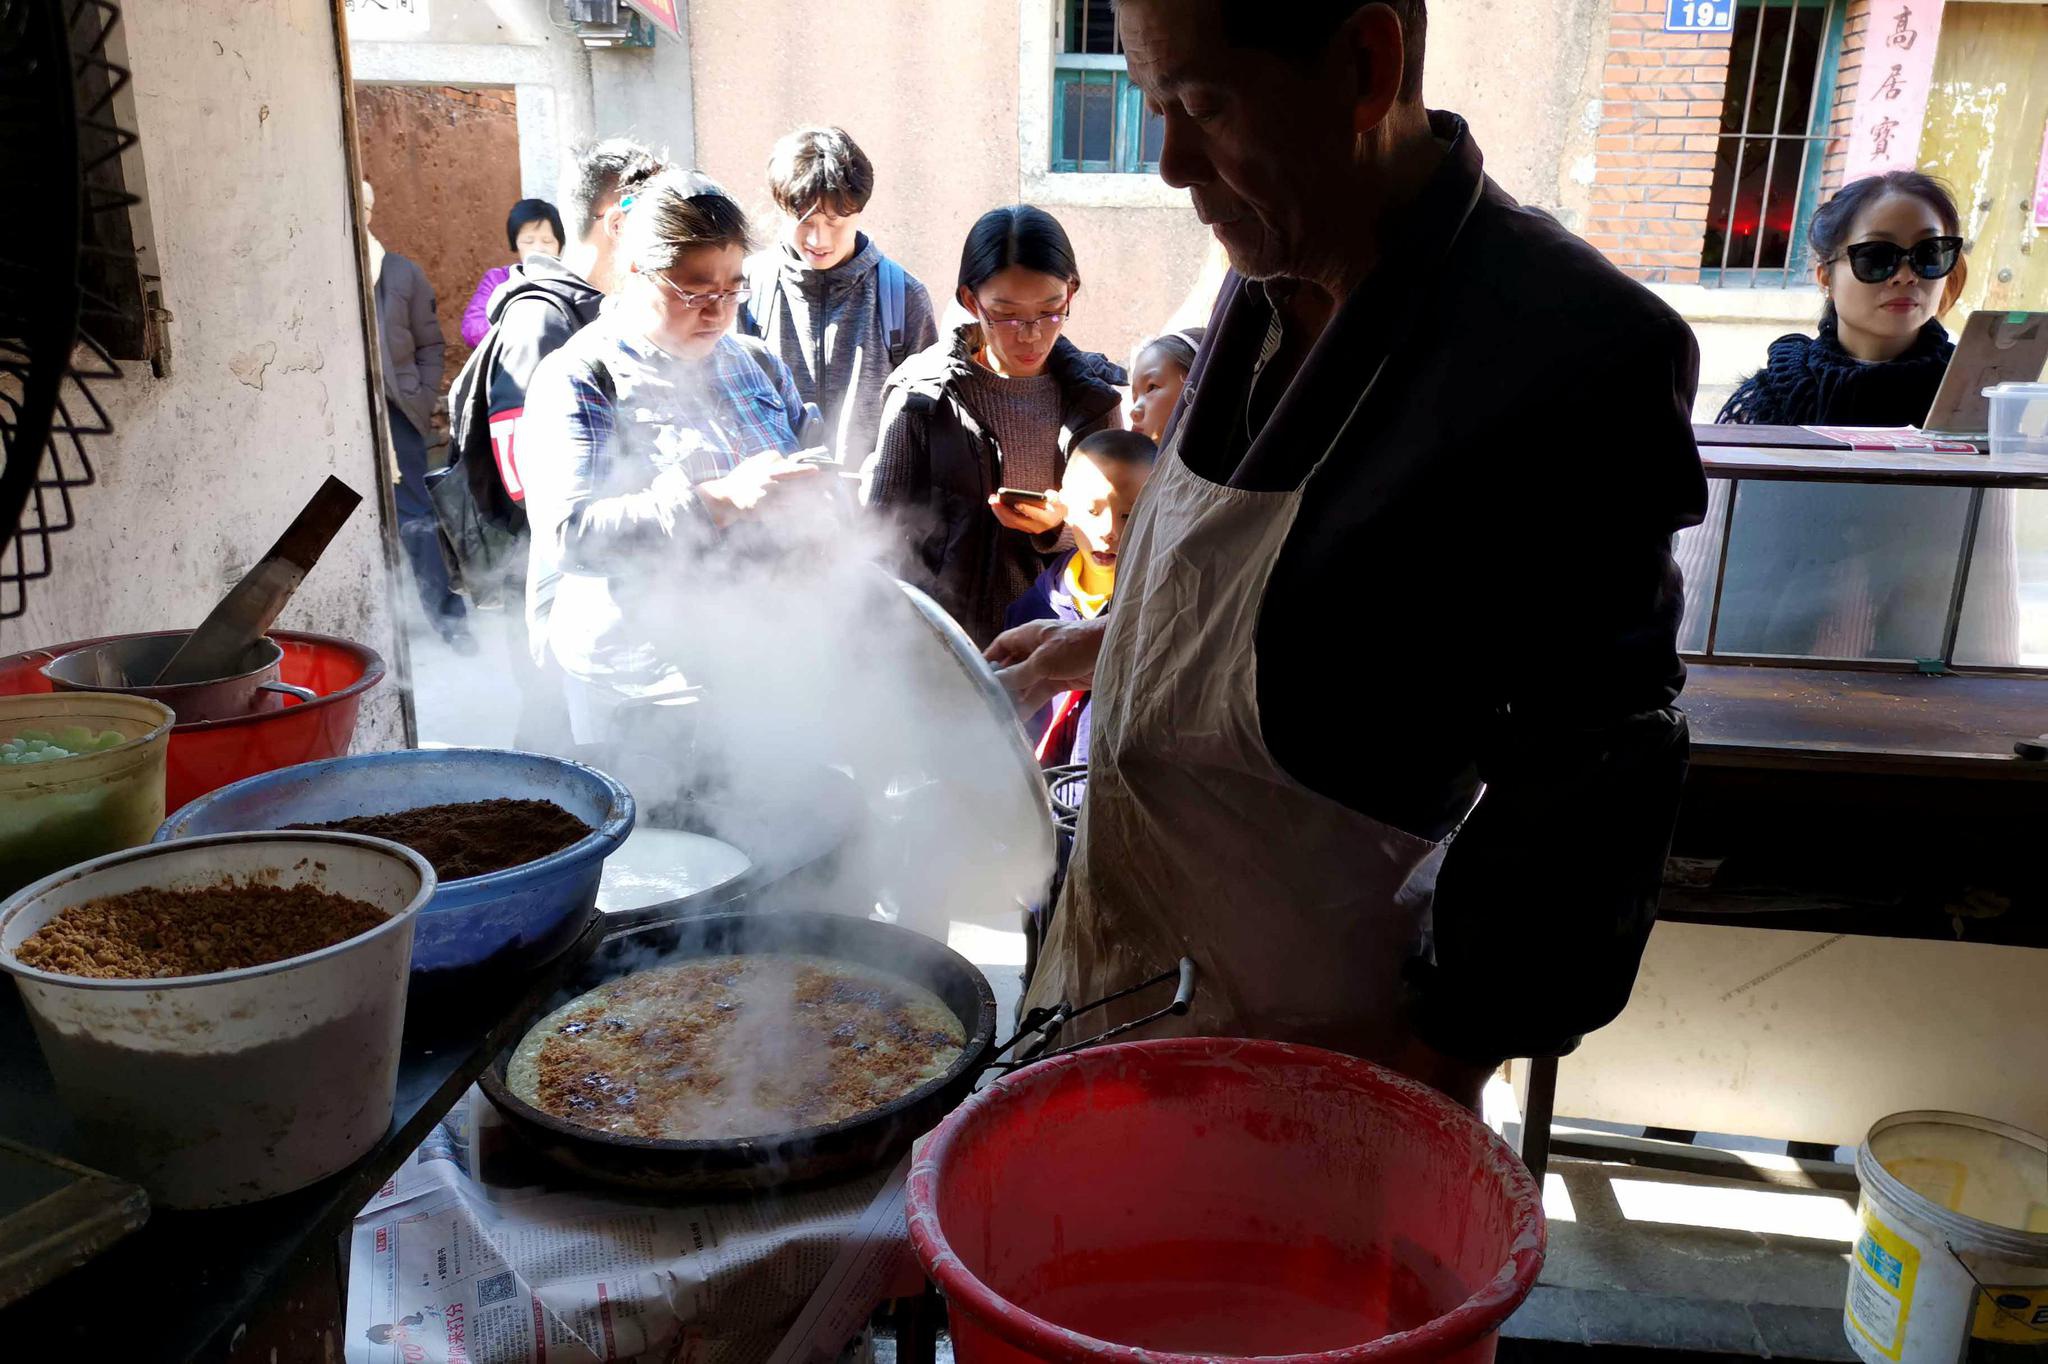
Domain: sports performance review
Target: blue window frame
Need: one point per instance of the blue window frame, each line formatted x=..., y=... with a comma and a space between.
x=1099, y=121
x=1775, y=118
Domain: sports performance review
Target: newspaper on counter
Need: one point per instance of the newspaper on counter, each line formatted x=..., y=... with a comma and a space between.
x=466, y=1256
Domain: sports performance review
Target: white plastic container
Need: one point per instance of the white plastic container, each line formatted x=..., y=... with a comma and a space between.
x=1954, y=1243
x=2019, y=418
x=240, y=1085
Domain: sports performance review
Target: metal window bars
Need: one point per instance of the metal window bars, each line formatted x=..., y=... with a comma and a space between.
x=1091, y=27
x=1816, y=83
x=1089, y=65
x=57, y=91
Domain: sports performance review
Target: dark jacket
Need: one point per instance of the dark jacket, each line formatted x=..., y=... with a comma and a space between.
x=540, y=305
x=938, y=465
x=1479, y=589
x=482, y=499
x=1812, y=381
x=827, y=327
x=411, y=337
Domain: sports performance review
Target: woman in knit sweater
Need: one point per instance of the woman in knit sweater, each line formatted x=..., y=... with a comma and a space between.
x=996, y=404
x=1862, y=572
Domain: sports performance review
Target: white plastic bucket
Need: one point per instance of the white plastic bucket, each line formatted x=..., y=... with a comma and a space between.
x=239, y=1085
x=1954, y=1241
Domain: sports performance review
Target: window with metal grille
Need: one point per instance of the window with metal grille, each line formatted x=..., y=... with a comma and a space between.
x=1774, y=133
x=1099, y=122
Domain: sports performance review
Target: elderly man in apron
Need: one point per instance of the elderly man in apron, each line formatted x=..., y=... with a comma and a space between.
x=1404, y=572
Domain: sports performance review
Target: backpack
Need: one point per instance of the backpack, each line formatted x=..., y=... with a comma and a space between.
x=482, y=530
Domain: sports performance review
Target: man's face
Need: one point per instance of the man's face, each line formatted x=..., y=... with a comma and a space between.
x=824, y=237
x=1256, y=139
x=595, y=255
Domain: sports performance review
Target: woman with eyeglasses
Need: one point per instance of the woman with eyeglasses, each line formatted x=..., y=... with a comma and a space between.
x=646, y=436
x=1836, y=571
x=976, y=429
x=1888, y=254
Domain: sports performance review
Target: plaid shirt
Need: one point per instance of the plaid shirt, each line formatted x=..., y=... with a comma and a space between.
x=609, y=419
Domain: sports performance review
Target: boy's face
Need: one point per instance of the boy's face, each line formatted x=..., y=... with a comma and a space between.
x=1099, y=496
x=824, y=237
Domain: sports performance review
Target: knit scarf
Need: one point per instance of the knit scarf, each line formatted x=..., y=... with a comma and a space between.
x=1812, y=381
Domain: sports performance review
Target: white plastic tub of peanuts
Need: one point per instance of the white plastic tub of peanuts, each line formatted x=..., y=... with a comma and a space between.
x=225, y=1086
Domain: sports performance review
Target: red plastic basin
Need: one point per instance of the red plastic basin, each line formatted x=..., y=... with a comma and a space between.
x=1218, y=1199
x=209, y=755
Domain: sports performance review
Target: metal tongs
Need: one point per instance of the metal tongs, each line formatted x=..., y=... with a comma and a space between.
x=1044, y=1024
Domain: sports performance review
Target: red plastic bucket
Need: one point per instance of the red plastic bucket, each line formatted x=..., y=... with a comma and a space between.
x=213, y=753
x=1216, y=1199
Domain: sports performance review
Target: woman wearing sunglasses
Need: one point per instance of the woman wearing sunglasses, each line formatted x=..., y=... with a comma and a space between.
x=1888, y=253
x=1859, y=572
x=645, y=436
x=995, y=405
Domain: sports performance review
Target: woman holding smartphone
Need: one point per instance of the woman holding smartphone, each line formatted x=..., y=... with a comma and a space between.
x=976, y=429
x=648, y=439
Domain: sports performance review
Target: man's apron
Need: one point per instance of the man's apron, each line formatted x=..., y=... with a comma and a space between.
x=1298, y=911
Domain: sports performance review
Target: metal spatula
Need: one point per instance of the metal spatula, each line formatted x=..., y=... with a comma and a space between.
x=216, y=647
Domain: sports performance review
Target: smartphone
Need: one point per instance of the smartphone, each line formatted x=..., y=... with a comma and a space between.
x=1020, y=497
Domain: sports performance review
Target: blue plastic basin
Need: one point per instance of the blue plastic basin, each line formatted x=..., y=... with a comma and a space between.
x=514, y=915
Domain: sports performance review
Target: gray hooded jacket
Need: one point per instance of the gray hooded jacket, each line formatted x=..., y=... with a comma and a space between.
x=827, y=327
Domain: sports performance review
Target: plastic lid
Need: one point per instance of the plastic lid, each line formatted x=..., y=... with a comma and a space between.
x=2014, y=389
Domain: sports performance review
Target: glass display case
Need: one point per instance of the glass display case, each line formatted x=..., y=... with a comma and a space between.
x=1888, y=604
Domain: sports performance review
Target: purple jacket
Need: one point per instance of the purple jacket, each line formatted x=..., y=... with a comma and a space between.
x=1049, y=599
x=476, y=318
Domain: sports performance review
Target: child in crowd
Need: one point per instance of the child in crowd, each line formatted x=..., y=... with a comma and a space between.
x=1104, y=476
x=836, y=310
x=1158, y=374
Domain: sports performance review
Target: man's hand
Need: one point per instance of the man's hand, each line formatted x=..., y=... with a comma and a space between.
x=758, y=478
x=1029, y=519
x=1040, y=660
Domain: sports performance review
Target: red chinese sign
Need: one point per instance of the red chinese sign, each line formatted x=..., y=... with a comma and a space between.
x=662, y=12
x=1891, y=91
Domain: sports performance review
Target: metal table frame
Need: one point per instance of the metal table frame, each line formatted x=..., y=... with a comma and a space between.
x=1831, y=463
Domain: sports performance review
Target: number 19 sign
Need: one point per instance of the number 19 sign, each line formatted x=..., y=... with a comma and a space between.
x=1699, y=16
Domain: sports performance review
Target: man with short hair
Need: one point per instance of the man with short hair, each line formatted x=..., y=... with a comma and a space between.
x=542, y=304
x=840, y=313
x=1404, y=571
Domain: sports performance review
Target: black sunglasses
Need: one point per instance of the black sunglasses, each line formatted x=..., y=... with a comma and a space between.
x=1876, y=262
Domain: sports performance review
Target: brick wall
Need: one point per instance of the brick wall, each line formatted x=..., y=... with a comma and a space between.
x=1661, y=98
x=1855, y=24
x=495, y=99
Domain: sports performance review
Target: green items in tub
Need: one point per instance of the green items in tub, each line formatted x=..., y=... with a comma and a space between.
x=81, y=774
x=40, y=746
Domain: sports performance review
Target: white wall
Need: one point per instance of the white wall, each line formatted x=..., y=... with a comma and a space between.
x=1735, y=328
x=645, y=94
x=239, y=110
